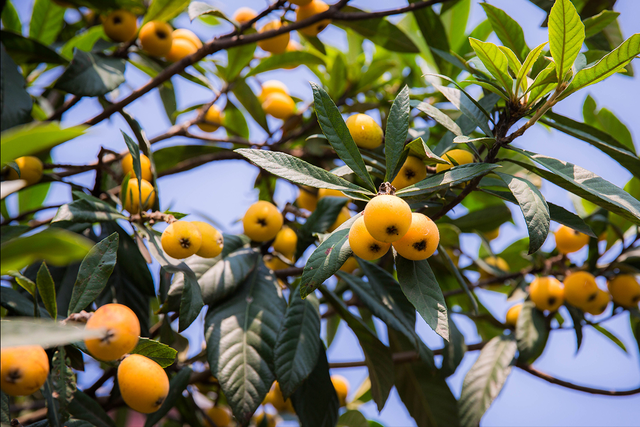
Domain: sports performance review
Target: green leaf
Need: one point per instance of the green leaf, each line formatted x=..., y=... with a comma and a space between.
x=495, y=61
x=5, y=415
x=55, y=246
x=298, y=171
x=47, y=19
x=397, y=132
x=63, y=380
x=11, y=22
x=198, y=8
x=32, y=138
x=336, y=131
x=432, y=30
x=376, y=355
x=485, y=379
x=440, y=117
x=566, y=35
x=47, y=290
x=319, y=221
x=250, y=102
x=453, y=351
x=91, y=74
x=95, y=270
x=634, y=320
x=134, y=150
x=160, y=353
x=15, y=102
x=463, y=102
x=296, y=350
x=596, y=23
x=326, y=259
x=533, y=206
x=285, y=60
x=29, y=51
x=315, y=401
x=453, y=268
x=454, y=176
x=564, y=217
x=421, y=288
x=610, y=64
x=241, y=334
x=85, y=41
x=507, y=29
x=168, y=98
x=532, y=333
x=577, y=318
x=45, y=333
x=513, y=61
x=234, y=121
x=585, y=184
x=531, y=59
x=18, y=304
x=338, y=73
x=239, y=58
x=87, y=210
x=609, y=335
x=85, y=408
x=352, y=418
x=544, y=82
x=165, y=10
x=177, y=385
x=419, y=148
x=26, y=283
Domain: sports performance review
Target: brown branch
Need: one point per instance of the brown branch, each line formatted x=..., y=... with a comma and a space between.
x=25, y=214
x=57, y=115
x=357, y=16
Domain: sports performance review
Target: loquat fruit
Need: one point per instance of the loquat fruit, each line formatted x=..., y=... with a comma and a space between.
x=244, y=14
x=412, y=171
x=366, y=133
x=625, y=290
x=325, y=192
x=30, y=170
x=23, y=370
x=180, y=48
x=546, y=293
x=350, y=265
x=307, y=200
x=512, y=315
x=569, y=240
x=461, y=157
x=183, y=33
x=492, y=235
x=277, y=400
x=387, y=218
x=262, y=221
x=120, y=26
x=131, y=202
x=156, y=38
x=181, y=239
x=212, y=120
x=145, y=166
x=341, y=385
x=277, y=44
x=286, y=241
x=143, y=383
x=122, y=332
x=420, y=241
x=343, y=217
x=580, y=289
x=279, y=106
x=220, y=417
x=496, y=262
x=212, y=240
x=275, y=263
x=599, y=304
x=272, y=86
x=363, y=244
x=314, y=7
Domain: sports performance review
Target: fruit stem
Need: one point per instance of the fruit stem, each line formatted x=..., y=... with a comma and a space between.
x=386, y=189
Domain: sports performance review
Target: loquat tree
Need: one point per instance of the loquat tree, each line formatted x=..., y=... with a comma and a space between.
x=413, y=119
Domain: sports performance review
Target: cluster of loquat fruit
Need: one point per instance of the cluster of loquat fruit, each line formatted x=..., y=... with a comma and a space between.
x=143, y=383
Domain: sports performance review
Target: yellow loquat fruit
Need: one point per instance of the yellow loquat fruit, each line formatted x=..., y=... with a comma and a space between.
x=341, y=385
x=366, y=133
x=277, y=400
x=580, y=289
x=496, y=262
x=363, y=244
x=461, y=157
x=258, y=419
x=30, y=170
x=599, y=304
x=156, y=38
x=412, y=171
x=307, y=200
x=131, y=202
x=325, y=192
x=387, y=218
x=183, y=33
x=279, y=106
x=262, y=221
x=145, y=166
x=180, y=48
x=420, y=241
x=212, y=240
x=121, y=26
x=569, y=240
x=277, y=44
x=286, y=241
x=272, y=86
x=143, y=383
x=625, y=290
x=212, y=120
x=343, y=216
x=23, y=370
x=314, y=7
x=244, y=14
x=512, y=315
x=181, y=239
x=350, y=265
x=493, y=234
x=220, y=416
x=546, y=293
x=122, y=332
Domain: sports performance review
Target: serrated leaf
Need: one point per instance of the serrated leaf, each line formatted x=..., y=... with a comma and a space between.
x=545, y=81
x=47, y=290
x=160, y=353
x=323, y=217
x=240, y=335
x=91, y=74
x=5, y=415
x=298, y=344
x=63, y=380
x=485, y=379
x=566, y=35
x=462, y=102
x=596, y=23
x=454, y=176
x=26, y=283
x=47, y=19
x=453, y=351
x=507, y=29
x=94, y=273
x=285, y=60
x=532, y=333
x=531, y=59
x=338, y=135
x=495, y=61
x=85, y=408
x=439, y=117
x=396, y=132
x=421, y=288
x=420, y=149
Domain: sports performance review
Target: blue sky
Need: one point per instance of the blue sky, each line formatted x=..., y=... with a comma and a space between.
x=525, y=400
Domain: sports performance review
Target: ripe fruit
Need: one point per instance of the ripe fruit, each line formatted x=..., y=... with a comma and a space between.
x=350, y=265
x=145, y=167
x=270, y=422
x=599, y=304
x=569, y=240
x=277, y=44
x=212, y=240
x=143, y=383
x=580, y=289
x=363, y=244
x=180, y=48
x=212, y=120
x=300, y=2
x=325, y=192
x=121, y=335
x=496, y=262
x=275, y=263
x=272, y=86
x=546, y=293
x=307, y=11
x=131, y=201
x=420, y=241
x=275, y=398
x=512, y=315
x=121, y=25
x=412, y=171
x=625, y=290
x=262, y=221
x=461, y=157
x=23, y=370
x=307, y=200
x=181, y=239
x=219, y=416
x=156, y=38
x=341, y=385
x=286, y=241
x=30, y=170
x=366, y=133
x=244, y=14
x=387, y=218
x=279, y=106
x=343, y=216
x=492, y=235
x=183, y=33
